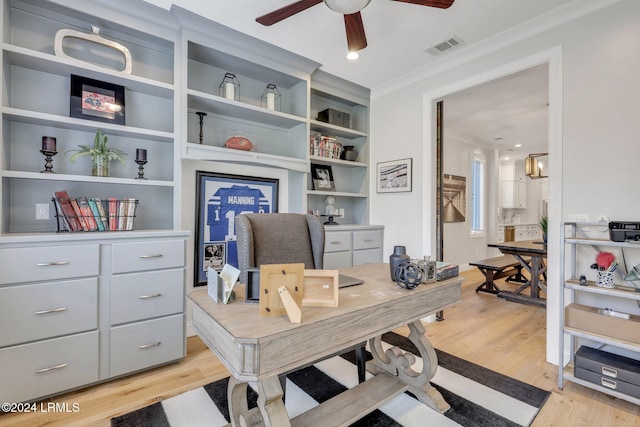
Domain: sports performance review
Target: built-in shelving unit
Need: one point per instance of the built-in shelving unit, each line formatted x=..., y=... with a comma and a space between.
x=36, y=103
x=581, y=250
x=351, y=177
x=85, y=307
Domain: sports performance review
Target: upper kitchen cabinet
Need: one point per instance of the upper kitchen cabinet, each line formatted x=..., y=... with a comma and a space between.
x=226, y=76
x=512, y=171
x=513, y=187
x=36, y=89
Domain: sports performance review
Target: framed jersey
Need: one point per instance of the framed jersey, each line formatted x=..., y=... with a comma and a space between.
x=220, y=198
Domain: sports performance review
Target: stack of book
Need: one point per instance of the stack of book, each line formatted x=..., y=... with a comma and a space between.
x=325, y=146
x=93, y=213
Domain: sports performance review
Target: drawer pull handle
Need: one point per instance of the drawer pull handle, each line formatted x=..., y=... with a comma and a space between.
x=143, y=346
x=53, y=310
x=335, y=243
x=368, y=240
x=47, y=264
x=609, y=383
x=150, y=256
x=149, y=296
x=609, y=372
x=53, y=368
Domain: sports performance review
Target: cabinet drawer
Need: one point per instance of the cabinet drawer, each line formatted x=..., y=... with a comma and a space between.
x=147, y=255
x=48, y=263
x=146, y=344
x=337, y=260
x=138, y=296
x=337, y=241
x=367, y=239
x=367, y=256
x=44, y=310
x=46, y=367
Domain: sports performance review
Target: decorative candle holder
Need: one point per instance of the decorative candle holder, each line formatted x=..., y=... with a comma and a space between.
x=48, y=164
x=141, y=164
x=271, y=98
x=141, y=160
x=230, y=87
x=201, y=114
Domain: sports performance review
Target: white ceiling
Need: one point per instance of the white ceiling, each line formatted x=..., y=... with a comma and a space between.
x=398, y=34
x=503, y=113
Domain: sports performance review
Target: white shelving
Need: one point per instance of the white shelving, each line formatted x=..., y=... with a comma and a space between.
x=351, y=178
x=36, y=103
x=623, y=295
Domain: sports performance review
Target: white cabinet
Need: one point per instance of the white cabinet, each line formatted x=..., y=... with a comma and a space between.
x=107, y=304
x=513, y=195
x=512, y=171
x=527, y=232
x=350, y=245
x=591, y=328
x=35, y=103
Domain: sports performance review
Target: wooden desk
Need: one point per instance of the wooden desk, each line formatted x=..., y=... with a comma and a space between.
x=537, y=250
x=259, y=349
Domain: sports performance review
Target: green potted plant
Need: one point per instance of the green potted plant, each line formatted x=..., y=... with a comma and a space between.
x=543, y=225
x=100, y=154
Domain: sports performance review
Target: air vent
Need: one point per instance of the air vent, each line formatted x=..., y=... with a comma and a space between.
x=445, y=46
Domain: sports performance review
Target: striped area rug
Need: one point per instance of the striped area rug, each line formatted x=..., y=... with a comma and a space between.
x=478, y=397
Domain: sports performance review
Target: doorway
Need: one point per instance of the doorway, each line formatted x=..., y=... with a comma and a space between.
x=501, y=121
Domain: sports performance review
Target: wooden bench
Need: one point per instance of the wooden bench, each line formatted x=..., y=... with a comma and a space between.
x=497, y=268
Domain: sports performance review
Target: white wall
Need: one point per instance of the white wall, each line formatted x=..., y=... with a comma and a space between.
x=458, y=245
x=599, y=132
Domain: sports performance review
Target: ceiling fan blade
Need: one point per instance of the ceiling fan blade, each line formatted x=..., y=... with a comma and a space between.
x=286, y=11
x=356, y=39
x=442, y=4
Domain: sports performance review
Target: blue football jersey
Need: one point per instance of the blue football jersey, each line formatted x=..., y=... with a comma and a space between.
x=228, y=202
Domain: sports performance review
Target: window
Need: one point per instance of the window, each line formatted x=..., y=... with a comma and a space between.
x=478, y=167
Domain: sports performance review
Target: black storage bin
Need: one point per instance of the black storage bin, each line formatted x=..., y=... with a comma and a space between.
x=609, y=370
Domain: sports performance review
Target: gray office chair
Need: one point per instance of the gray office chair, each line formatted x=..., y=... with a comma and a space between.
x=280, y=238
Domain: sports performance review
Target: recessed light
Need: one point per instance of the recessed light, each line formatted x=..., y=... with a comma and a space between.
x=352, y=56
x=518, y=145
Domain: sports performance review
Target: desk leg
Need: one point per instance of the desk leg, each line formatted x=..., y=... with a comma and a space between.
x=270, y=412
x=395, y=362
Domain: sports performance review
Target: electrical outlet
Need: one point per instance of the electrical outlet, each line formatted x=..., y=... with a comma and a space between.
x=42, y=211
x=579, y=218
x=603, y=220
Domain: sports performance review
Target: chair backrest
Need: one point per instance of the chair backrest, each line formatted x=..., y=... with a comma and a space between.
x=278, y=238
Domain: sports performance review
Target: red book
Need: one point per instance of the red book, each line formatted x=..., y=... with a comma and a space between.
x=67, y=210
x=113, y=214
x=78, y=213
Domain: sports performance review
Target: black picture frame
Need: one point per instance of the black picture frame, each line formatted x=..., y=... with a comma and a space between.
x=219, y=198
x=95, y=100
x=322, y=177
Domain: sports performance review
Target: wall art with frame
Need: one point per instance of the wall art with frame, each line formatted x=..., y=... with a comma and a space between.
x=220, y=197
x=95, y=100
x=394, y=176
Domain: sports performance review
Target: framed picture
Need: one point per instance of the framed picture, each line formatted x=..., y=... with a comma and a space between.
x=220, y=197
x=322, y=176
x=394, y=176
x=95, y=100
x=454, y=196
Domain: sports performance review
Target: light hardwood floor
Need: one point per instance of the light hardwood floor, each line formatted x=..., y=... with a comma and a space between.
x=506, y=337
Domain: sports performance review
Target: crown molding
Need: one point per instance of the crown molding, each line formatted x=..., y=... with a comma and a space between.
x=547, y=21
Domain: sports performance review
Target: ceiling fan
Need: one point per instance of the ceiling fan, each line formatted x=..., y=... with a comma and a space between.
x=356, y=38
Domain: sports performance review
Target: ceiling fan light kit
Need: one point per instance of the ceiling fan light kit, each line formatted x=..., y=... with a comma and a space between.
x=346, y=7
x=356, y=38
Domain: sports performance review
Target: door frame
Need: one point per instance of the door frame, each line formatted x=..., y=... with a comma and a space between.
x=552, y=57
